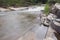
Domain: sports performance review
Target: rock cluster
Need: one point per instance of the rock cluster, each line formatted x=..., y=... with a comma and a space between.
x=45, y=20
x=56, y=23
x=54, y=13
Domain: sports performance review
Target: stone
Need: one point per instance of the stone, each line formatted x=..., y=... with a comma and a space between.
x=49, y=38
x=56, y=25
x=57, y=5
x=46, y=23
x=51, y=16
x=58, y=13
x=4, y=10
x=56, y=10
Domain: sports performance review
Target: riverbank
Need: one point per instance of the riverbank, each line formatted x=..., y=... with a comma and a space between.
x=30, y=8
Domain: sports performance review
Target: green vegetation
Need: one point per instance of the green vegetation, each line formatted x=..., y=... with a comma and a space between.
x=47, y=9
x=49, y=5
x=58, y=1
x=18, y=3
x=6, y=3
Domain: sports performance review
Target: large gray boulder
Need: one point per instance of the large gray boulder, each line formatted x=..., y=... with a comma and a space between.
x=56, y=10
x=56, y=25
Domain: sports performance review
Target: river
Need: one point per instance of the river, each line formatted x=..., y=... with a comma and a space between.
x=15, y=24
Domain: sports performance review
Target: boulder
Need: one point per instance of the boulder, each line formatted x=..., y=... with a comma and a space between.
x=57, y=5
x=56, y=25
x=51, y=16
x=17, y=9
x=56, y=10
x=4, y=10
x=44, y=20
x=58, y=14
x=46, y=23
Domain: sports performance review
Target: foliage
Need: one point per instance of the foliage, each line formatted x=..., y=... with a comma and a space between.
x=58, y=1
x=47, y=9
x=5, y=3
x=48, y=6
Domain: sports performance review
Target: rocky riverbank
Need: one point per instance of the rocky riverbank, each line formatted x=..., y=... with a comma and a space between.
x=31, y=8
x=54, y=18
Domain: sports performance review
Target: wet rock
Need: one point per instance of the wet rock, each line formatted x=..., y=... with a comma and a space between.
x=44, y=20
x=57, y=5
x=43, y=17
x=51, y=16
x=16, y=9
x=57, y=36
x=49, y=38
x=46, y=23
x=56, y=25
x=4, y=10
x=56, y=10
x=58, y=13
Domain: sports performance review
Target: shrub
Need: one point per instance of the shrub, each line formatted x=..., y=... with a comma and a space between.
x=47, y=9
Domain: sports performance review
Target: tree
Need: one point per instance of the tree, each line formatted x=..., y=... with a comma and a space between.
x=6, y=3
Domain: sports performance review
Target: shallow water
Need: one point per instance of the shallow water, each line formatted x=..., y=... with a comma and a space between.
x=14, y=25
